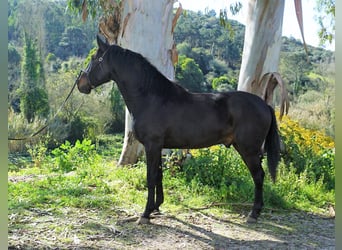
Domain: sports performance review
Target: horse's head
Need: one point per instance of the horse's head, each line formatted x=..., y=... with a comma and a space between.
x=97, y=71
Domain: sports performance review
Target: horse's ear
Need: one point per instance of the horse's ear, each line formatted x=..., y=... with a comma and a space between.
x=101, y=42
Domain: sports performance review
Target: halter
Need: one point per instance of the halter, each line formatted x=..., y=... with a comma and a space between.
x=88, y=69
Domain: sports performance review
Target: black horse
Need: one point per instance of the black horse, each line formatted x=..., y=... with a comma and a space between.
x=168, y=116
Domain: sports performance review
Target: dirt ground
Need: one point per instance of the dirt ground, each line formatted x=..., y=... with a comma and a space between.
x=89, y=229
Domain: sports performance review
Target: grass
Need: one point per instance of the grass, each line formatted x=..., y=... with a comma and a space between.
x=89, y=180
x=83, y=178
x=77, y=195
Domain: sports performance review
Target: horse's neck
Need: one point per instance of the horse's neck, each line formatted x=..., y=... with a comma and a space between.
x=128, y=84
x=133, y=99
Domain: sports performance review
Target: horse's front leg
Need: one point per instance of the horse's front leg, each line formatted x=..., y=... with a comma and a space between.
x=153, y=160
x=159, y=188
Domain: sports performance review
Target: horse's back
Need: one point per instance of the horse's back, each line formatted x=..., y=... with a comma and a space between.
x=248, y=106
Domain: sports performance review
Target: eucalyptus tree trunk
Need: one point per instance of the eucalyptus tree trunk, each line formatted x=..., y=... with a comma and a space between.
x=259, y=68
x=145, y=27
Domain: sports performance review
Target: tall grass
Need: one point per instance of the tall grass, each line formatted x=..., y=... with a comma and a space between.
x=19, y=127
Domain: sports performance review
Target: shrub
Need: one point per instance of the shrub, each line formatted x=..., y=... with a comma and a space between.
x=221, y=169
x=82, y=127
x=68, y=157
x=308, y=150
x=38, y=151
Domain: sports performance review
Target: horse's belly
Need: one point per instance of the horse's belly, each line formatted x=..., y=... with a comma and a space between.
x=195, y=138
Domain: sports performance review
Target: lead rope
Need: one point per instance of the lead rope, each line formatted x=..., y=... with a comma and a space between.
x=48, y=123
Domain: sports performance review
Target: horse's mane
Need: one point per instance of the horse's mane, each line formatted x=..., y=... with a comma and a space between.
x=151, y=79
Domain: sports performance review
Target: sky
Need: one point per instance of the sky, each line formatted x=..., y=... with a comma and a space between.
x=290, y=24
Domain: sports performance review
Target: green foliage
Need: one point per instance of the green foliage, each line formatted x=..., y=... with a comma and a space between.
x=316, y=110
x=56, y=19
x=218, y=67
x=82, y=127
x=68, y=157
x=76, y=176
x=34, y=98
x=200, y=55
x=108, y=145
x=300, y=191
x=189, y=74
x=13, y=55
x=220, y=169
x=309, y=151
x=88, y=58
x=326, y=19
x=50, y=57
x=199, y=36
x=83, y=176
x=34, y=102
x=305, y=179
x=92, y=6
x=205, y=31
x=117, y=123
x=38, y=151
x=56, y=28
x=294, y=67
x=222, y=83
x=208, y=54
x=73, y=43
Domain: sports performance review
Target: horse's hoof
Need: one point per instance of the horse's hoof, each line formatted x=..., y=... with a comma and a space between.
x=156, y=212
x=251, y=219
x=143, y=221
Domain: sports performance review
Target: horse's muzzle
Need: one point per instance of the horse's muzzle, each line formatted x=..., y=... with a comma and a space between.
x=82, y=84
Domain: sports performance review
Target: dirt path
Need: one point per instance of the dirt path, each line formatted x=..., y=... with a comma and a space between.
x=93, y=229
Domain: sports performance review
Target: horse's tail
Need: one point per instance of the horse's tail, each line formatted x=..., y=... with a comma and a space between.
x=272, y=146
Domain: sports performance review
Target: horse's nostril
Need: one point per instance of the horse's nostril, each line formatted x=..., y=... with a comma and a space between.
x=84, y=89
x=83, y=86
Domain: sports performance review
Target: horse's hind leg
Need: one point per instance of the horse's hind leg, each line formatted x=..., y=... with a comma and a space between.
x=258, y=174
x=253, y=162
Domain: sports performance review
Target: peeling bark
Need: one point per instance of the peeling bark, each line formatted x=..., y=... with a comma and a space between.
x=262, y=44
x=146, y=28
x=267, y=84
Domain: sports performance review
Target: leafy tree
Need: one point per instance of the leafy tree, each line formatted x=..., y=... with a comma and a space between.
x=33, y=97
x=184, y=48
x=222, y=83
x=204, y=32
x=189, y=74
x=13, y=55
x=13, y=32
x=56, y=20
x=202, y=58
x=13, y=77
x=73, y=42
x=218, y=67
x=231, y=51
x=294, y=68
x=326, y=20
